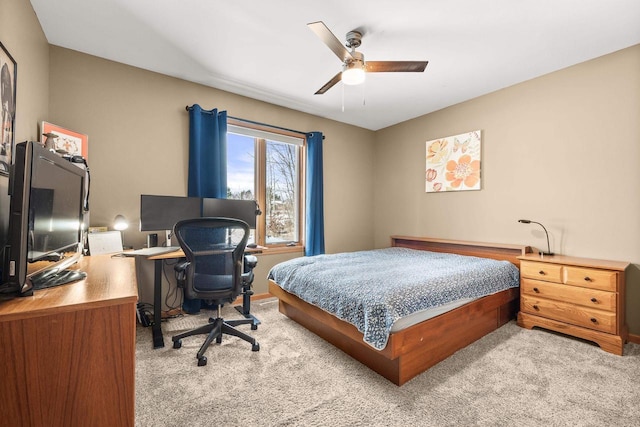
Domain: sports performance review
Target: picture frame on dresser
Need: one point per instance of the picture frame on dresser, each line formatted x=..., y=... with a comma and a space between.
x=8, y=83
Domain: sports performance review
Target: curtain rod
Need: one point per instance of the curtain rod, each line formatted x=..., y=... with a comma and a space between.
x=188, y=108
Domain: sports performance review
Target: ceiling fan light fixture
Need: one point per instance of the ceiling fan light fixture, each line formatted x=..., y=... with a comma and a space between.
x=353, y=76
x=353, y=65
x=353, y=73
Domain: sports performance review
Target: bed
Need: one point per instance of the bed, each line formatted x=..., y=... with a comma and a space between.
x=412, y=350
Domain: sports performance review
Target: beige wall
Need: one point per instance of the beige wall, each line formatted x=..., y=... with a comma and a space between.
x=562, y=149
x=138, y=144
x=21, y=35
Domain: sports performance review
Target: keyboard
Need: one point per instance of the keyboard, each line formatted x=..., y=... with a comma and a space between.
x=158, y=250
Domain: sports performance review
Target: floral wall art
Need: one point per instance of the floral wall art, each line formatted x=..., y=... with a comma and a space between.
x=453, y=163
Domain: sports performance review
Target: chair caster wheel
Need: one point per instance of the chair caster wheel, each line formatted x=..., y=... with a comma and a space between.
x=255, y=347
x=202, y=361
x=254, y=326
x=219, y=340
x=177, y=344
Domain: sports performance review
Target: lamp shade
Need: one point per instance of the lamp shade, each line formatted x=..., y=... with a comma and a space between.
x=120, y=223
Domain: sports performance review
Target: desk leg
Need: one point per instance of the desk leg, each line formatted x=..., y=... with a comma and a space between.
x=156, y=329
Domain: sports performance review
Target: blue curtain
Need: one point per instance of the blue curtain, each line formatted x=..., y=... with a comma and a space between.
x=207, y=153
x=207, y=165
x=314, y=244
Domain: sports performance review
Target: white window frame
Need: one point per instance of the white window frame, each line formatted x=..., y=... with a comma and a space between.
x=261, y=133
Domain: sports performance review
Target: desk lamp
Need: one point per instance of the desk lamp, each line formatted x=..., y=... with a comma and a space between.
x=120, y=223
x=526, y=221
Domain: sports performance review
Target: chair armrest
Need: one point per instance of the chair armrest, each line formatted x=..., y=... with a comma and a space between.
x=250, y=261
x=247, y=278
x=181, y=266
x=180, y=270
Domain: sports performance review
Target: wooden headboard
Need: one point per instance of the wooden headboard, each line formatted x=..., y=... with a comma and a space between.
x=496, y=251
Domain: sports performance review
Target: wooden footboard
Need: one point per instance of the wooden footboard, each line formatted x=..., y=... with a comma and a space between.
x=415, y=349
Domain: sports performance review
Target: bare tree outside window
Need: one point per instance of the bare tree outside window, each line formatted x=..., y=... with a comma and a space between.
x=268, y=171
x=281, y=192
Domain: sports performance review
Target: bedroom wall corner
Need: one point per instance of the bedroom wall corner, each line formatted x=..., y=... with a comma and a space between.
x=562, y=149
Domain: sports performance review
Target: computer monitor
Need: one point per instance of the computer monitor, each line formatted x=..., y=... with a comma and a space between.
x=159, y=213
x=246, y=210
x=162, y=212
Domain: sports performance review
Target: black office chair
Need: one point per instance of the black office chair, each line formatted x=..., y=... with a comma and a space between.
x=213, y=271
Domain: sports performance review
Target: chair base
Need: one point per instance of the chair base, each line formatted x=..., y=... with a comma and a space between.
x=215, y=329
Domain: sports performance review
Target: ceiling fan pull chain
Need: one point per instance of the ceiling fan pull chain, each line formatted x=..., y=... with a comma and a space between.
x=364, y=94
x=343, y=97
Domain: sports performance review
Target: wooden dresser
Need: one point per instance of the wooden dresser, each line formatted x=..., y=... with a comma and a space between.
x=581, y=297
x=68, y=353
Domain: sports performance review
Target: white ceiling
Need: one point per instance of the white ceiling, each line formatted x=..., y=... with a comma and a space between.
x=263, y=49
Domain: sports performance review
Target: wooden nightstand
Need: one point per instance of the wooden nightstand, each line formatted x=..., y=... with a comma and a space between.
x=575, y=296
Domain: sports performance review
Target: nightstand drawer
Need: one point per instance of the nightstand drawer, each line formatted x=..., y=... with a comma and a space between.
x=591, y=278
x=591, y=298
x=541, y=271
x=600, y=320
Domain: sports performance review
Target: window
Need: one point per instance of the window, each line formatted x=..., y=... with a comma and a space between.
x=265, y=164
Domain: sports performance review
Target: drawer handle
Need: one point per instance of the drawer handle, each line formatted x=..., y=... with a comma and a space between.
x=588, y=279
x=542, y=272
x=594, y=300
x=535, y=307
x=536, y=290
x=594, y=320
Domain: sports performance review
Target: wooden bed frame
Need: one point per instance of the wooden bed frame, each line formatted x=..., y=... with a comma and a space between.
x=413, y=350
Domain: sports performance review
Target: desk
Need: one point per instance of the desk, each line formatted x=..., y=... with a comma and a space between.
x=156, y=328
x=68, y=352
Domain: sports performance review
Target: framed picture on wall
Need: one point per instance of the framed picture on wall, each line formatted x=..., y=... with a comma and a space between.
x=453, y=163
x=65, y=140
x=8, y=71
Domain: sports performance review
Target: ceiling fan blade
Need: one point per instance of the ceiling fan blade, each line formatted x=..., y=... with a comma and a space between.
x=396, y=66
x=329, y=84
x=330, y=40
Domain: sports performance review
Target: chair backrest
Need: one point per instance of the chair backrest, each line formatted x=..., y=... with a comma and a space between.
x=214, y=248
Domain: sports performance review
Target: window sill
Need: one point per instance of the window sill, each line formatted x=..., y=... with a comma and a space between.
x=274, y=250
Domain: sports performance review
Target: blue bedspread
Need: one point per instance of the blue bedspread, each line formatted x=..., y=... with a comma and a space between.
x=372, y=289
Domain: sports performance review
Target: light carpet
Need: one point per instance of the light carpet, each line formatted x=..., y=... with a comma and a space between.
x=510, y=377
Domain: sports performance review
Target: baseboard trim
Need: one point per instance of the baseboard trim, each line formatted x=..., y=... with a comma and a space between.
x=261, y=296
x=238, y=301
x=254, y=297
x=634, y=338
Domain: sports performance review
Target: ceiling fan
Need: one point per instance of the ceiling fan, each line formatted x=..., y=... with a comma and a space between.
x=353, y=64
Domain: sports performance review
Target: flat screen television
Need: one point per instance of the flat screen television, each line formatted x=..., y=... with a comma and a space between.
x=46, y=219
